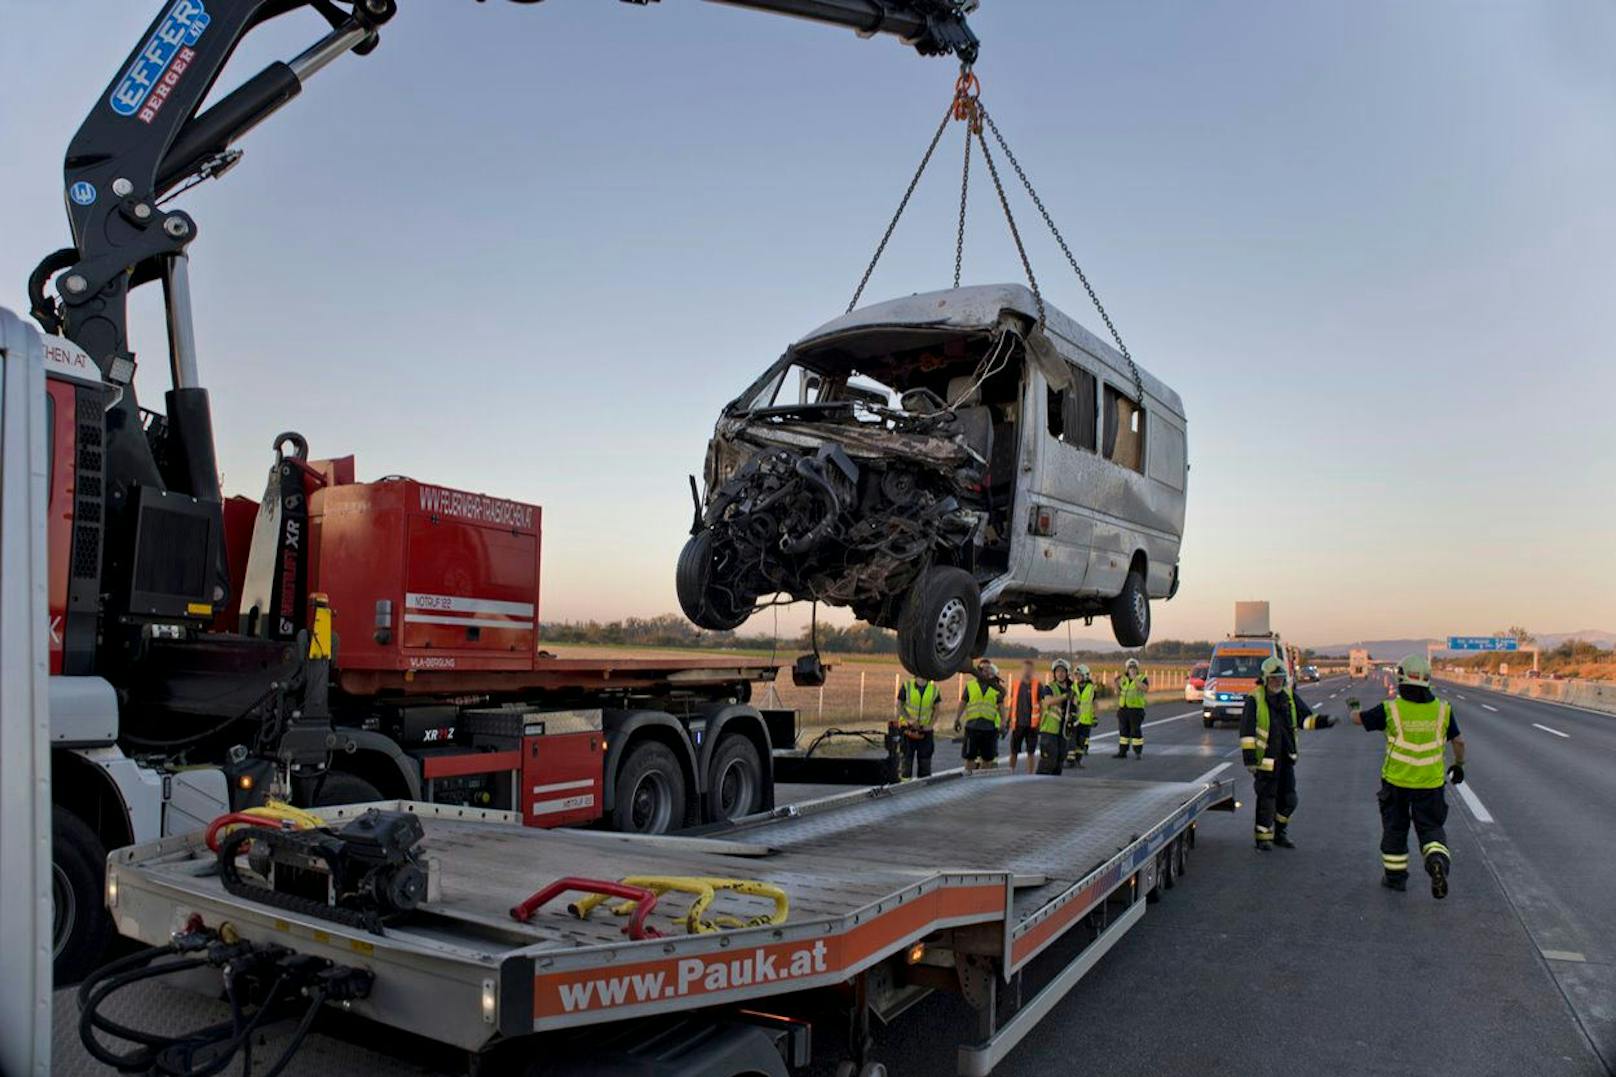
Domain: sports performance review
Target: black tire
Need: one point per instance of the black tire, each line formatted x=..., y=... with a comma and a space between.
x=650, y=791
x=693, y=580
x=980, y=647
x=734, y=780
x=81, y=928
x=340, y=788
x=1209, y=722
x=940, y=623
x=1130, y=612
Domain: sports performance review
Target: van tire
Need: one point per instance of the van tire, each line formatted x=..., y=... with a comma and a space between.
x=980, y=647
x=1130, y=612
x=81, y=929
x=706, y=606
x=941, y=623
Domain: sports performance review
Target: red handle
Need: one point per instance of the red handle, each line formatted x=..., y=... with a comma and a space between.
x=231, y=819
x=635, y=929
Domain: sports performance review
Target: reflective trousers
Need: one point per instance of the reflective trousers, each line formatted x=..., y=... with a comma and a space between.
x=1427, y=809
x=1130, y=730
x=1276, y=797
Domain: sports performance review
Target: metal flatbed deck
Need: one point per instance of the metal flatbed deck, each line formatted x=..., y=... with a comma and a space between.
x=986, y=871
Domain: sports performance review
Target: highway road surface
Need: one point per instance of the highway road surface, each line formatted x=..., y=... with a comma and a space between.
x=1284, y=962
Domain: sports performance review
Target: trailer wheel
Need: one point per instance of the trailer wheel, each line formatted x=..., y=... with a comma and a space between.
x=707, y=605
x=1130, y=611
x=734, y=779
x=650, y=791
x=80, y=926
x=940, y=622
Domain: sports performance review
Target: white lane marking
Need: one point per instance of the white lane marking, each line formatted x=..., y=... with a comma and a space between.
x=1563, y=955
x=1147, y=725
x=1473, y=802
x=1461, y=695
x=1213, y=773
x=1556, y=732
x=1489, y=707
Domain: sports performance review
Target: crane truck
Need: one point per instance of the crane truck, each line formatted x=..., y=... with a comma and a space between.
x=335, y=641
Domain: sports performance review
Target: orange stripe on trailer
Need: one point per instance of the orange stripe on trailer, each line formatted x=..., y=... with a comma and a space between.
x=706, y=979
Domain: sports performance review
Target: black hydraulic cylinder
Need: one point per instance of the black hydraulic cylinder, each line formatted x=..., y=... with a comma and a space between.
x=866, y=16
x=238, y=112
x=190, y=428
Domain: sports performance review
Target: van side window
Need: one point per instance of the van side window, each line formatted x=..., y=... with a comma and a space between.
x=1124, y=431
x=1071, y=411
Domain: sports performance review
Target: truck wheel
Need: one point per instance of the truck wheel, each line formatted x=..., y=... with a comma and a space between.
x=940, y=622
x=980, y=647
x=80, y=926
x=650, y=791
x=706, y=605
x=340, y=788
x=734, y=779
x=1130, y=612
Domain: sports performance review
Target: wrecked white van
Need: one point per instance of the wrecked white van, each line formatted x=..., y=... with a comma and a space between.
x=939, y=464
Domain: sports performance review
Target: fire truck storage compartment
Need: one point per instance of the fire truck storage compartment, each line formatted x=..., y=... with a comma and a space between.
x=423, y=577
x=555, y=758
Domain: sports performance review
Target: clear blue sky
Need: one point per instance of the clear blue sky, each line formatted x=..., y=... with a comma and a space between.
x=531, y=250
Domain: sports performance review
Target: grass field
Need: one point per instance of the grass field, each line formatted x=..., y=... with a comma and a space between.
x=860, y=689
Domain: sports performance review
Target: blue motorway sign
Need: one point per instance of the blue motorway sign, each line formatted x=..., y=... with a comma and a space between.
x=1483, y=643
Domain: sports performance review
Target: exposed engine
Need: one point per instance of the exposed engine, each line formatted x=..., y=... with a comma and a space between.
x=812, y=522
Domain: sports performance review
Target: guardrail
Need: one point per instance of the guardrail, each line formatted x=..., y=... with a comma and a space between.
x=1594, y=695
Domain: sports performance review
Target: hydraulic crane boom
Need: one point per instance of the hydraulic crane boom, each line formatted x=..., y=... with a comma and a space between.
x=148, y=135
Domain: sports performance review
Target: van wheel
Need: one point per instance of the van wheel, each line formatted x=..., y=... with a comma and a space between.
x=708, y=606
x=80, y=926
x=650, y=791
x=980, y=647
x=1130, y=612
x=941, y=623
x=734, y=779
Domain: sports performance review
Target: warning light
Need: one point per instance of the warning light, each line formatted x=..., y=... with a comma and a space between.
x=245, y=783
x=916, y=952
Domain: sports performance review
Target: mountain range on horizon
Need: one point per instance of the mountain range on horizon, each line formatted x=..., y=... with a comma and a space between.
x=1378, y=648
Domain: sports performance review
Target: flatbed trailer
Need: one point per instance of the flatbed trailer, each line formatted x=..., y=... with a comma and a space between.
x=947, y=883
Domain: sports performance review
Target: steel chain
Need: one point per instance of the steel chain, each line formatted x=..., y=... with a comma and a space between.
x=1133, y=368
x=1015, y=233
x=902, y=205
x=965, y=186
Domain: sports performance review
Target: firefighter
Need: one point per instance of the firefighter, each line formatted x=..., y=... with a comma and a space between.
x=917, y=715
x=1055, y=718
x=981, y=711
x=1418, y=728
x=1081, y=716
x=1026, y=701
x=1131, y=689
x=1274, y=714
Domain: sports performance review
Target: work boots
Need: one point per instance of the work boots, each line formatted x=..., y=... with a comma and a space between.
x=1282, y=840
x=1395, y=882
x=1436, y=866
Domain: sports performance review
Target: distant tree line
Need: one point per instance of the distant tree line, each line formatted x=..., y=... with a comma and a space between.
x=672, y=630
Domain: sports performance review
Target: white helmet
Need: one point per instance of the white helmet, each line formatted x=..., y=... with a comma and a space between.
x=1060, y=664
x=1132, y=663
x=1082, y=671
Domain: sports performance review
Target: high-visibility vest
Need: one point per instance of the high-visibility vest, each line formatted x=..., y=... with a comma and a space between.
x=1260, y=741
x=980, y=703
x=920, y=704
x=1054, y=715
x=1416, y=737
x=1085, y=703
x=1037, y=704
x=1131, y=692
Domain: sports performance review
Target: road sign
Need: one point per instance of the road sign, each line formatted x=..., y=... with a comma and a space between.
x=1483, y=643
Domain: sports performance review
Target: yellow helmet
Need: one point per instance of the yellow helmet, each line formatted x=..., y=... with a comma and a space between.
x=1273, y=667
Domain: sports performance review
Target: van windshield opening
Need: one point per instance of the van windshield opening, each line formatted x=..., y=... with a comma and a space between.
x=1248, y=666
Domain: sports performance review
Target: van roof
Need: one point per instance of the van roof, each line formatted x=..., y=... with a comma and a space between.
x=979, y=307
